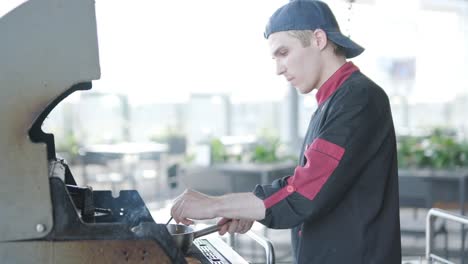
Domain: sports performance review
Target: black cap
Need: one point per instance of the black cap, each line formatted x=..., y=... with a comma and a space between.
x=311, y=15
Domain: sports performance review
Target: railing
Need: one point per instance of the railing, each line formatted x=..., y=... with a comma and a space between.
x=266, y=244
x=429, y=232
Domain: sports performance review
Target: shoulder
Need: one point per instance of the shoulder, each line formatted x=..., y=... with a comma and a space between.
x=360, y=89
x=359, y=83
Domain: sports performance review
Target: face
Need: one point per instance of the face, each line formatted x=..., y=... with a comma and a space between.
x=301, y=66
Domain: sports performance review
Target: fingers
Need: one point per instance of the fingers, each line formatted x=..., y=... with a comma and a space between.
x=233, y=225
x=246, y=226
x=223, y=229
x=175, y=210
x=222, y=221
x=186, y=221
x=192, y=205
x=240, y=226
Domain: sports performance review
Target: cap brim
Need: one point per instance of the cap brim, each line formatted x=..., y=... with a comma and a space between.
x=352, y=49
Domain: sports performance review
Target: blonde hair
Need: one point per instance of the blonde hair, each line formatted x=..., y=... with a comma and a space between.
x=304, y=36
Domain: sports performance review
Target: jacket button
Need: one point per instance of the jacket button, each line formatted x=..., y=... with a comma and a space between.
x=290, y=189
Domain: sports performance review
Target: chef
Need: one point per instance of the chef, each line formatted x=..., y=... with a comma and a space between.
x=341, y=203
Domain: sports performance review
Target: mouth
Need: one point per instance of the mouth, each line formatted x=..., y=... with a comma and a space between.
x=289, y=79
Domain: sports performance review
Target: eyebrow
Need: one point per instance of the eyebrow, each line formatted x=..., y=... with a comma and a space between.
x=275, y=53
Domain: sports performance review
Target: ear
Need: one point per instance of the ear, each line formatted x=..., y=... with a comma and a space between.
x=320, y=39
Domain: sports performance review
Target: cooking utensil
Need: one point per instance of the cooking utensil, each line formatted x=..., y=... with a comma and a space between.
x=170, y=219
x=184, y=235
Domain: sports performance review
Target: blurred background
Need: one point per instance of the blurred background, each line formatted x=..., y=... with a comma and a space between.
x=188, y=98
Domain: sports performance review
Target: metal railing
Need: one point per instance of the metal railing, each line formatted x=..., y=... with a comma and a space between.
x=433, y=213
x=266, y=244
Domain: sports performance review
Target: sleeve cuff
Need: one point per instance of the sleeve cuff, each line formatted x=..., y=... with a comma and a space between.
x=260, y=193
x=265, y=191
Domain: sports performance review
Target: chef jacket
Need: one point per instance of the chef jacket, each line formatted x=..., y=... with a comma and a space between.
x=342, y=201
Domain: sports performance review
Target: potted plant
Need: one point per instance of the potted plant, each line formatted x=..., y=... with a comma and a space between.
x=438, y=150
x=431, y=169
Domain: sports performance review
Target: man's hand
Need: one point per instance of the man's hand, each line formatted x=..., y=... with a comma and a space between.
x=234, y=226
x=193, y=205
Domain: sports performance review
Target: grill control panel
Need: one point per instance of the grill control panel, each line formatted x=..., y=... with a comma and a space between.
x=209, y=252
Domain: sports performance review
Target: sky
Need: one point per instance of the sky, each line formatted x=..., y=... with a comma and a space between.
x=165, y=50
x=162, y=51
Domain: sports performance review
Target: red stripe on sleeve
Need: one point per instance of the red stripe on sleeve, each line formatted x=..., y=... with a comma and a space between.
x=322, y=159
x=328, y=148
x=278, y=196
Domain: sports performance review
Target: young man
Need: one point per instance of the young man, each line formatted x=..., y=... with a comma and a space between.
x=342, y=201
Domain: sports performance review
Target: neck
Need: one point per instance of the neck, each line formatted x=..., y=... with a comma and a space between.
x=330, y=66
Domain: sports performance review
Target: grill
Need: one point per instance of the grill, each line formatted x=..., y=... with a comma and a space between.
x=204, y=250
x=100, y=223
x=52, y=51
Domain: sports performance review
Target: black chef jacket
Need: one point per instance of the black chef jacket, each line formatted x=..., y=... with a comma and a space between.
x=342, y=201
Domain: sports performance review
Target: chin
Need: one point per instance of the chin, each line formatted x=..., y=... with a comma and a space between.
x=304, y=90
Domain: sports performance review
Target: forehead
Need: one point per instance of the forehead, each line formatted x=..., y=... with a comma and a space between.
x=282, y=39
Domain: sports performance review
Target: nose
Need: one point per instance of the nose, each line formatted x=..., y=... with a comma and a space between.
x=280, y=68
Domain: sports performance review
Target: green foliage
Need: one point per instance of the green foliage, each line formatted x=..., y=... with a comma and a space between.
x=218, y=150
x=266, y=151
x=438, y=150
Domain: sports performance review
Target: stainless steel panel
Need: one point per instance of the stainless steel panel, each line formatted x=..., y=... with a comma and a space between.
x=47, y=46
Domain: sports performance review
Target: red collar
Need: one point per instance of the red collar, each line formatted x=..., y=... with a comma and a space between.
x=335, y=81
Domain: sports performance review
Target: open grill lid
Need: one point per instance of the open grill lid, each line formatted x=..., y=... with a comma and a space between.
x=49, y=49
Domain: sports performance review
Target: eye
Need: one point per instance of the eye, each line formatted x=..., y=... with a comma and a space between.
x=283, y=52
